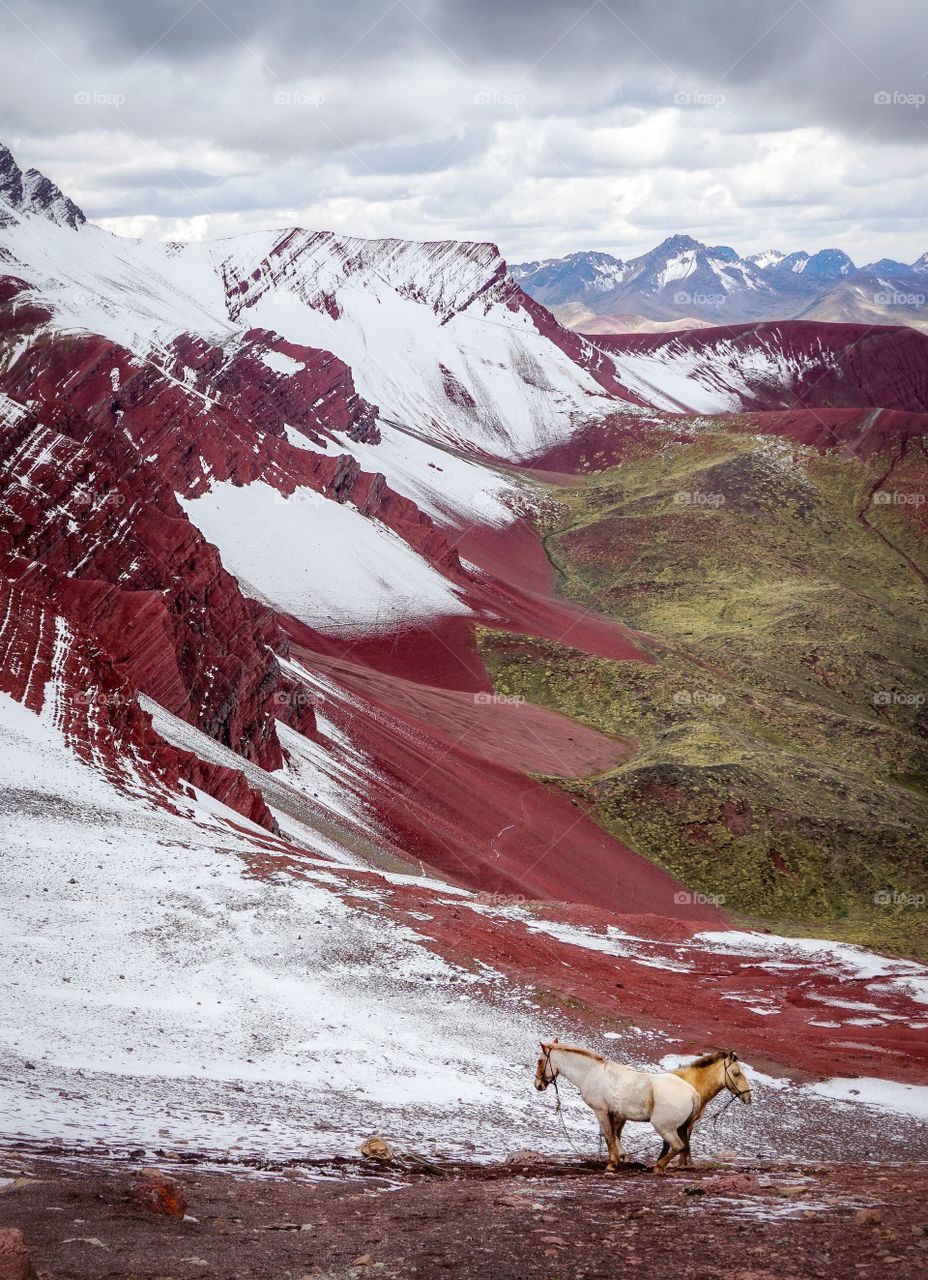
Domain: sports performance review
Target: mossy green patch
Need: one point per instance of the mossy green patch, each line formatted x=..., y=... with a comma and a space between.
x=782, y=731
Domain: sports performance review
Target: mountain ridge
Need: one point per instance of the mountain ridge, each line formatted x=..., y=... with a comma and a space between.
x=684, y=279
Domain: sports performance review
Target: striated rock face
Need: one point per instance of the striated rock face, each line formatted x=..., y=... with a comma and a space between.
x=310, y=390
x=95, y=706
x=588, y=355
x=94, y=526
x=90, y=521
x=445, y=275
x=209, y=416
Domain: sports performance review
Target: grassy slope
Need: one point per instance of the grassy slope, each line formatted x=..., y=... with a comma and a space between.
x=771, y=769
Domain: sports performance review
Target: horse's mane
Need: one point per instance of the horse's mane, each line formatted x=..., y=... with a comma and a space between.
x=586, y=1053
x=708, y=1059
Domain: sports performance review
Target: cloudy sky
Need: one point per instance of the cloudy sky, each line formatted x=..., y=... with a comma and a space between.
x=545, y=125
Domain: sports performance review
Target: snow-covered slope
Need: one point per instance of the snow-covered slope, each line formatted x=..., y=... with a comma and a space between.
x=180, y=980
x=683, y=374
x=330, y=566
x=436, y=335
x=775, y=366
x=151, y=970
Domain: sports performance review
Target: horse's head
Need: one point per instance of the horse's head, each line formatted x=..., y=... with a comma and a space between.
x=735, y=1080
x=545, y=1071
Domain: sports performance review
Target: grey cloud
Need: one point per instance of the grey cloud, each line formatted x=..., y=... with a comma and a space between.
x=422, y=88
x=825, y=58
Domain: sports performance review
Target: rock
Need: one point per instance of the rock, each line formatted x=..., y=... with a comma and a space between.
x=154, y=1191
x=739, y=1184
x=377, y=1148
x=525, y=1157
x=15, y=1262
x=868, y=1217
x=364, y=1260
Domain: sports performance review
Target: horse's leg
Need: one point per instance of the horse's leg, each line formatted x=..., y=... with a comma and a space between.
x=673, y=1146
x=618, y=1124
x=668, y=1116
x=685, y=1159
x=683, y=1132
x=606, y=1124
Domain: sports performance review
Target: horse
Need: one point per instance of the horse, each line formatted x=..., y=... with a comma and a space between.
x=672, y=1100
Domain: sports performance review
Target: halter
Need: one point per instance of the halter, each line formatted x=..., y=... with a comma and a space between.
x=553, y=1080
x=734, y=1091
x=739, y=1093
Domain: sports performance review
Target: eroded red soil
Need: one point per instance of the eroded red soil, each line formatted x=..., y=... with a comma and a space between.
x=524, y=1221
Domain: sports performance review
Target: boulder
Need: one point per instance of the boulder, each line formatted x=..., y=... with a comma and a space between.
x=15, y=1261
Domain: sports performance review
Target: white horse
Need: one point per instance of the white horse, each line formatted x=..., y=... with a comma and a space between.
x=672, y=1100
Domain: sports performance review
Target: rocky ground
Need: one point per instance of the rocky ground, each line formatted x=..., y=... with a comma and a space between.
x=100, y=1217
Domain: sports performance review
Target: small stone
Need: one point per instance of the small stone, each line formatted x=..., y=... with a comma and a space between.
x=525, y=1157
x=364, y=1260
x=868, y=1216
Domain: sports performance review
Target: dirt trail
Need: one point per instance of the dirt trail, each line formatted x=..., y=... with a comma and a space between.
x=523, y=1220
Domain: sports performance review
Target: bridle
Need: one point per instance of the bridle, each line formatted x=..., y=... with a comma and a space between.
x=553, y=1080
x=732, y=1088
x=738, y=1093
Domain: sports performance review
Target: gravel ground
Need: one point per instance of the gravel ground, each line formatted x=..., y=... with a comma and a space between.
x=526, y=1219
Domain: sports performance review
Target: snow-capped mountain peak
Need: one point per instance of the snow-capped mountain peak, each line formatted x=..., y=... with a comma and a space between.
x=766, y=258
x=30, y=192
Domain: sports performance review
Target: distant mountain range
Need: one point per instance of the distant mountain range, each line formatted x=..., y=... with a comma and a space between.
x=684, y=283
